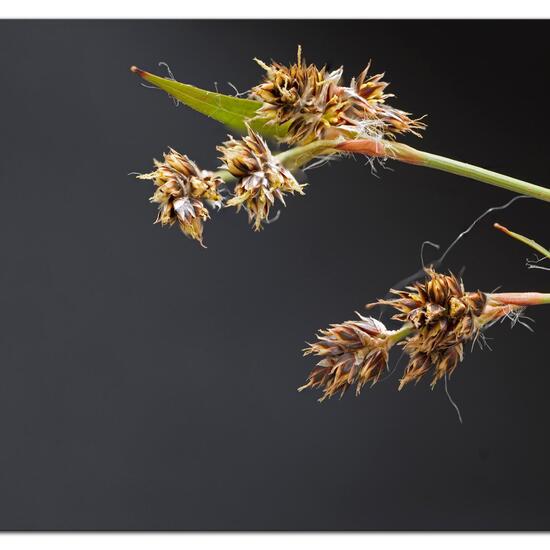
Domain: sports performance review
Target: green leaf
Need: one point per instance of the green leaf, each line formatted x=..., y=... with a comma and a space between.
x=230, y=111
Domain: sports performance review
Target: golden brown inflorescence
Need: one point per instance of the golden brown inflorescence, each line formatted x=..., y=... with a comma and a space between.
x=437, y=318
x=444, y=316
x=354, y=352
x=261, y=177
x=314, y=104
x=182, y=191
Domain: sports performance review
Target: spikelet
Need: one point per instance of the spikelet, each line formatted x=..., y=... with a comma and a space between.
x=181, y=193
x=302, y=96
x=444, y=316
x=354, y=352
x=313, y=104
x=262, y=179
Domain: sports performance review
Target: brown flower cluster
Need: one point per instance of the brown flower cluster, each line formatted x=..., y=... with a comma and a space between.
x=314, y=104
x=181, y=193
x=354, y=352
x=182, y=189
x=444, y=316
x=437, y=317
x=261, y=177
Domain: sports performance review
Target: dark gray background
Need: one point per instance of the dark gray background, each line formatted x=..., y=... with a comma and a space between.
x=146, y=383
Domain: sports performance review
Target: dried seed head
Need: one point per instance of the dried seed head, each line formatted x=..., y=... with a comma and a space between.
x=182, y=190
x=444, y=316
x=302, y=96
x=315, y=105
x=438, y=316
x=261, y=177
x=354, y=352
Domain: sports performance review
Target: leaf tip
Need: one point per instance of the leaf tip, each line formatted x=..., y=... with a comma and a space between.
x=138, y=71
x=501, y=228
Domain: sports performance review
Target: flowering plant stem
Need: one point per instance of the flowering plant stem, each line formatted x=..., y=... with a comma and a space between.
x=298, y=156
x=400, y=334
x=404, y=153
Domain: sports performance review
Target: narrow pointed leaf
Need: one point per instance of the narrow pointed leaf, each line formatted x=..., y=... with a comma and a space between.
x=229, y=110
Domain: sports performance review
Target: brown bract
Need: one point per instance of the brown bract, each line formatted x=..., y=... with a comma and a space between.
x=314, y=104
x=444, y=316
x=182, y=190
x=261, y=177
x=354, y=352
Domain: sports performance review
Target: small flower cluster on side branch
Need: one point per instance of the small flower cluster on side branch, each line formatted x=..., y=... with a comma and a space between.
x=437, y=318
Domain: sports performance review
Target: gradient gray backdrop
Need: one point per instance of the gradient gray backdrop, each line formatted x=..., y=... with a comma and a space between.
x=148, y=384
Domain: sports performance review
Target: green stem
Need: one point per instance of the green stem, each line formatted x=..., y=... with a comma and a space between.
x=225, y=175
x=400, y=334
x=404, y=153
x=486, y=176
x=298, y=156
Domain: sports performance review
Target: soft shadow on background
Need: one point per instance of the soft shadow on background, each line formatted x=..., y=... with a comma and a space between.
x=148, y=384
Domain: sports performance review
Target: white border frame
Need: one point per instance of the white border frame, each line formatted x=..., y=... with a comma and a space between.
x=315, y=9
x=355, y=9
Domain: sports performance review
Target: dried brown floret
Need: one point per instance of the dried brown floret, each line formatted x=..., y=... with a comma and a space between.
x=182, y=190
x=306, y=98
x=261, y=177
x=444, y=316
x=354, y=352
x=314, y=104
x=368, y=102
